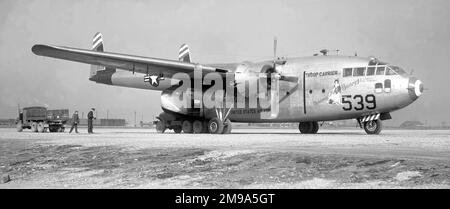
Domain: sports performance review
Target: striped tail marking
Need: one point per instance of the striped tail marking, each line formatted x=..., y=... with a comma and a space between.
x=183, y=53
x=97, y=42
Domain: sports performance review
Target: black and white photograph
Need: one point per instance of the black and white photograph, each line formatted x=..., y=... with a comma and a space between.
x=258, y=95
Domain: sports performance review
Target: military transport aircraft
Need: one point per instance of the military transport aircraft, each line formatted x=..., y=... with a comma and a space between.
x=307, y=90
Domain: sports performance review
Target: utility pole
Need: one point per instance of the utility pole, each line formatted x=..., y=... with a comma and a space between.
x=134, y=118
x=107, y=113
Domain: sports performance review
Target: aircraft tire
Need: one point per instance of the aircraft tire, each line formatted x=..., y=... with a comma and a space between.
x=215, y=126
x=198, y=127
x=33, y=127
x=373, y=127
x=205, y=126
x=160, y=126
x=305, y=127
x=19, y=127
x=315, y=128
x=187, y=126
x=227, y=127
x=177, y=129
x=40, y=127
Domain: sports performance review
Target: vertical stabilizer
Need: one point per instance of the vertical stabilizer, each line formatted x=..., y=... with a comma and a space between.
x=100, y=74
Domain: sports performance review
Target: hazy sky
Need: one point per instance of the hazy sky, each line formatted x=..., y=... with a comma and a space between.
x=411, y=34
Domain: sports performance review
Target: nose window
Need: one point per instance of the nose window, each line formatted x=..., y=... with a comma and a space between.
x=387, y=85
x=378, y=87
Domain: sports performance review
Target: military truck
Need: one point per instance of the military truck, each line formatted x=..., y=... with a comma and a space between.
x=39, y=119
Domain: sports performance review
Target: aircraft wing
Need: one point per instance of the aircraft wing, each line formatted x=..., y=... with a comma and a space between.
x=122, y=61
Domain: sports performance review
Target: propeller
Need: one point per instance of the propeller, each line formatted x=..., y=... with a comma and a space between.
x=278, y=74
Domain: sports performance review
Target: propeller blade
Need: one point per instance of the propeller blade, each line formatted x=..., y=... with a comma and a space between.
x=274, y=48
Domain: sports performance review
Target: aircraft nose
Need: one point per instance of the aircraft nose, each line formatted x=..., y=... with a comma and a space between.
x=415, y=88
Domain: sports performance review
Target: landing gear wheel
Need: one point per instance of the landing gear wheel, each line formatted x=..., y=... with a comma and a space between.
x=305, y=127
x=177, y=129
x=197, y=127
x=187, y=127
x=373, y=127
x=160, y=126
x=19, y=127
x=205, y=126
x=315, y=127
x=40, y=127
x=215, y=126
x=227, y=127
x=33, y=127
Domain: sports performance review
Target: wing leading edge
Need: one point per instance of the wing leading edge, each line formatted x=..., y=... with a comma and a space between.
x=133, y=63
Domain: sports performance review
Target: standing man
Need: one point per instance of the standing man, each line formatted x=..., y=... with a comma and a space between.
x=90, y=120
x=75, y=121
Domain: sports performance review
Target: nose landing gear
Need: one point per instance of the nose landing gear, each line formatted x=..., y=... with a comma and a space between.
x=373, y=127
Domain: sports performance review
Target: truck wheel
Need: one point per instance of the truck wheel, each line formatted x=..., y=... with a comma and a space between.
x=61, y=129
x=177, y=129
x=40, y=127
x=215, y=126
x=227, y=127
x=373, y=127
x=34, y=127
x=197, y=126
x=187, y=127
x=19, y=127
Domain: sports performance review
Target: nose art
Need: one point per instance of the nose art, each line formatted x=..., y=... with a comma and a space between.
x=415, y=88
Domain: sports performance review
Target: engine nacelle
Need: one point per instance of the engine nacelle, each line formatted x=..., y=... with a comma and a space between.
x=253, y=73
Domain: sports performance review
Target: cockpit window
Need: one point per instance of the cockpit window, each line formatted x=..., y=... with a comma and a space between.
x=398, y=70
x=389, y=71
x=359, y=71
x=370, y=71
x=380, y=70
x=347, y=72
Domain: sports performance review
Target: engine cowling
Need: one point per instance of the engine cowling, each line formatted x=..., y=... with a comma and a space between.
x=253, y=73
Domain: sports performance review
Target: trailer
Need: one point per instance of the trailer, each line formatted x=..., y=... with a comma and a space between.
x=39, y=119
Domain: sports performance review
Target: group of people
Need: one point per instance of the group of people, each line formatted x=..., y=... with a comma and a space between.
x=76, y=121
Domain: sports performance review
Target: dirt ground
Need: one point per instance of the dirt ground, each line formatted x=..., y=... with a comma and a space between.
x=248, y=158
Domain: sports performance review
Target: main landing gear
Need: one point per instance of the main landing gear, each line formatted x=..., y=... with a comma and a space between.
x=216, y=125
x=308, y=127
x=372, y=127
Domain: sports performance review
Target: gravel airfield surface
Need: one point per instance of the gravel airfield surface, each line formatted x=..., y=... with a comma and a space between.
x=247, y=158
